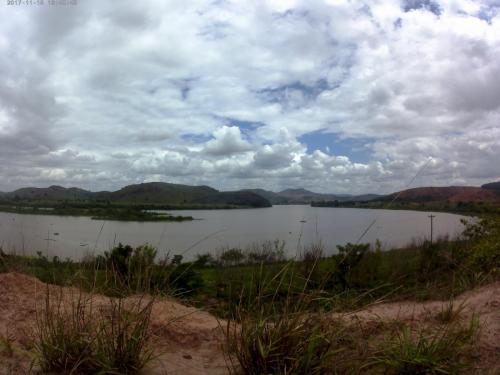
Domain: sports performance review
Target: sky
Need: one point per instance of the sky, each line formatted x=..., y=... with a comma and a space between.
x=338, y=96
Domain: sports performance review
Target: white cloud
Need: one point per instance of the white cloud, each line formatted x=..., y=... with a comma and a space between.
x=227, y=141
x=166, y=90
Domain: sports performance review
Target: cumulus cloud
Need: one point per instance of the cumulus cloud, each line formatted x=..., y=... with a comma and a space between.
x=100, y=95
x=227, y=141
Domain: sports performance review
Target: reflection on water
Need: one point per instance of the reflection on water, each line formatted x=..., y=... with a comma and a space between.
x=298, y=225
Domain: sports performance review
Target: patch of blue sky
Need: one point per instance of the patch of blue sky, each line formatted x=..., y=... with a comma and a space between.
x=356, y=149
x=281, y=94
x=196, y=138
x=488, y=12
x=247, y=128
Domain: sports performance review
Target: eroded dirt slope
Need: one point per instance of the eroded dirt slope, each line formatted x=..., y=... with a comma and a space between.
x=189, y=341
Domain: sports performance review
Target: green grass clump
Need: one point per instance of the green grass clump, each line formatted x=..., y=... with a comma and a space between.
x=450, y=312
x=278, y=332
x=292, y=341
x=64, y=338
x=441, y=351
x=290, y=344
x=122, y=343
x=6, y=345
x=83, y=338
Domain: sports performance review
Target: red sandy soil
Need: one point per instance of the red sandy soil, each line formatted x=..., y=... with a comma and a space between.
x=190, y=340
x=449, y=193
x=483, y=302
x=187, y=340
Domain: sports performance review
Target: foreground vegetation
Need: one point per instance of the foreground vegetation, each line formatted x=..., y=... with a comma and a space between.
x=284, y=315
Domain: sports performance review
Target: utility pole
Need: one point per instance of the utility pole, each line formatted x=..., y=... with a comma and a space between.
x=432, y=224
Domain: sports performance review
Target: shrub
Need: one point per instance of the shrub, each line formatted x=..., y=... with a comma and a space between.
x=118, y=260
x=184, y=279
x=348, y=257
x=484, y=252
x=204, y=260
x=266, y=252
x=130, y=269
x=231, y=257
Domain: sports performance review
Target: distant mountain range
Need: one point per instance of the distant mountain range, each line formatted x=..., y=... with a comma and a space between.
x=147, y=193
x=165, y=193
x=176, y=194
x=303, y=196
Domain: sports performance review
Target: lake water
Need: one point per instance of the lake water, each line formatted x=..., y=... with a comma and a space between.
x=297, y=225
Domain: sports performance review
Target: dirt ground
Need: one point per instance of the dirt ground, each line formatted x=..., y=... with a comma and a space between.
x=190, y=340
x=483, y=302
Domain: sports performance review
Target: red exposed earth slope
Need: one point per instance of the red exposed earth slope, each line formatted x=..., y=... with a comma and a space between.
x=450, y=193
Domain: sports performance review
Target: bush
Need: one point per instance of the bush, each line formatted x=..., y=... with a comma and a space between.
x=204, y=260
x=184, y=279
x=119, y=259
x=267, y=252
x=484, y=239
x=231, y=257
x=347, y=259
x=130, y=269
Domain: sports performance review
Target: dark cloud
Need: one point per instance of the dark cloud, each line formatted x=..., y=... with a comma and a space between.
x=429, y=5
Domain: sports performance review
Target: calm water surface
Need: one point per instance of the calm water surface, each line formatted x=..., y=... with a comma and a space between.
x=297, y=225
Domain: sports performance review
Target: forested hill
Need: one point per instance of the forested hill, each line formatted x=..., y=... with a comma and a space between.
x=147, y=193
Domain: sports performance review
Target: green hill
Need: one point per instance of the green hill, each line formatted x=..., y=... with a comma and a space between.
x=152, y=193
x=52, y=193
x=158, y=192
x=235, y=198
x=492, y=186
x=271, y=196
x=303, y=196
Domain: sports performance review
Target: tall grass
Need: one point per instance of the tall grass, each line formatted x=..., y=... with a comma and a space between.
x=441, y=350
x=287, y=340
x=77, y=334
x=65, y=336
x=122, y=343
